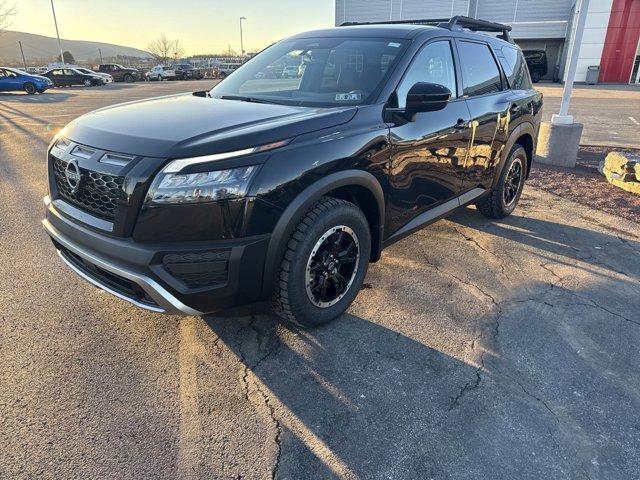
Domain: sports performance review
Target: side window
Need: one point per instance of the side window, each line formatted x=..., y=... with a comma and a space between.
x=480, y=73
x=433, y=64
x=516, y=69
x=2, y=73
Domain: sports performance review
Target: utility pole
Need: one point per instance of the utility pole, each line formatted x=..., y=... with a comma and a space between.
x=563, y=117
x=55, y=21
x=241, y=42
x=559, y=140
x=100, y=52
x=24, y=62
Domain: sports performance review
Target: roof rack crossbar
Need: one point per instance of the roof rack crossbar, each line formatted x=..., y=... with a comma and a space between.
x=458, y=23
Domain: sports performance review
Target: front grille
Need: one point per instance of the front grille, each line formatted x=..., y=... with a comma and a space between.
x=99, y=193
x=198, y=269
x=115, y=282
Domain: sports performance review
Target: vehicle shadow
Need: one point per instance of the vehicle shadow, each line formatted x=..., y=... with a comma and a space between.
x=573, y=243
x=357, y=399
x=349, y=388
x=50, y=96
x=450, y=368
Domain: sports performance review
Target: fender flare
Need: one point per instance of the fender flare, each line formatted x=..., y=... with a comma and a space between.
x=301, y=203
x=521, y=129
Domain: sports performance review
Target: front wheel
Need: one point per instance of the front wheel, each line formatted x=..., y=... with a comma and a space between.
x=128, y=78
x=324, y=264
x=87, y=83
x=30, y=88
x=504, y=196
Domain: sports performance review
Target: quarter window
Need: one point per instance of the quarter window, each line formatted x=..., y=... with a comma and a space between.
x=433, y=64
x=479, y=70
x=516, y=69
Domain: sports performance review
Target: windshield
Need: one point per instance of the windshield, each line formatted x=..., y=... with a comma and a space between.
x=314, y=72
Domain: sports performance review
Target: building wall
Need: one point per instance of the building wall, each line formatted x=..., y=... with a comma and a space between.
x=595, y=31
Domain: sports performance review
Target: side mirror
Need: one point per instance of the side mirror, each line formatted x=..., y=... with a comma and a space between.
x=426, y=97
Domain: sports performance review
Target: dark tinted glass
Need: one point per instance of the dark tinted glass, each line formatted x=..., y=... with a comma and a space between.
x=479, y=70
x=515, y=68
x=433, y=64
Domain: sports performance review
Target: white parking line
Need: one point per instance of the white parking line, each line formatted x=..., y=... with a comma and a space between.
x=634, y=121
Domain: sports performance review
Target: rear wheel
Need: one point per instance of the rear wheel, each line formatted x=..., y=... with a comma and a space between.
x=504, y=197
x=324, y=264
x=30, y=88
x=87, y=83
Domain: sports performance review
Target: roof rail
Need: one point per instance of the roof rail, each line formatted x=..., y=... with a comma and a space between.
x=456, y=23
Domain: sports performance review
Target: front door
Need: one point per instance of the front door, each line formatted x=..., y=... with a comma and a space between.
x=488, y=105
x=72, y=77
x=427, y=153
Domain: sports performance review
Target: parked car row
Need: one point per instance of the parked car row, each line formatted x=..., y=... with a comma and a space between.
x=178, y=71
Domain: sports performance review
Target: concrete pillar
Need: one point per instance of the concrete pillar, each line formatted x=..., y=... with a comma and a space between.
x=558, y=143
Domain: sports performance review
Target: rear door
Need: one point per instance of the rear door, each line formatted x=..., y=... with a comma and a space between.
x=488, y=99
x=427, y=154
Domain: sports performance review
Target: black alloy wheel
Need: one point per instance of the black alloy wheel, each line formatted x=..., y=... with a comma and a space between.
x=332, y=266
x=512, y=182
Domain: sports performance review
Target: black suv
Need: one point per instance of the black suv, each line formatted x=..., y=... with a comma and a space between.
x=537, y=63
x=186, y=71
x=120, y=73
x=285, y=189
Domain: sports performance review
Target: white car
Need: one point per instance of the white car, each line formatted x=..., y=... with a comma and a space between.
x=161, y=73
x=107, y=78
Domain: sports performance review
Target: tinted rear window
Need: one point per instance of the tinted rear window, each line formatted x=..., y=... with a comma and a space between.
x=479, y=70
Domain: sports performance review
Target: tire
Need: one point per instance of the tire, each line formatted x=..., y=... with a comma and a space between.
x=88, y=83
x=312, y=247
x=503, y=198
x=128, y=78
x=536, y=76
x=30, y=88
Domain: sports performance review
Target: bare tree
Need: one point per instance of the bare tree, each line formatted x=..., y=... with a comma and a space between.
x=6, y=12
x=162, y=49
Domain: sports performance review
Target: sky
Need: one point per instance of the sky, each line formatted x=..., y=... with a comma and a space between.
x=205, y=26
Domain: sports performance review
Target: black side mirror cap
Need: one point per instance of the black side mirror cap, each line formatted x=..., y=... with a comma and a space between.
x=426, y=97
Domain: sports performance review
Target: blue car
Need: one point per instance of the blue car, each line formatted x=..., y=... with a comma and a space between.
x=14, y=80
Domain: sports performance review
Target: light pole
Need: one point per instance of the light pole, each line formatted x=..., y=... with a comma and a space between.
x=241, y=42
x=55, y=21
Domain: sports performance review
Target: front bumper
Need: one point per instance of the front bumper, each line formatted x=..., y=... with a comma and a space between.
x=140, y=274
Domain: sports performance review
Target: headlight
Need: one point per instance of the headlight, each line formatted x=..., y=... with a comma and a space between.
x=172, y=188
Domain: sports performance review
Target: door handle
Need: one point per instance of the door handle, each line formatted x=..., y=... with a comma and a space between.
x=461, y=125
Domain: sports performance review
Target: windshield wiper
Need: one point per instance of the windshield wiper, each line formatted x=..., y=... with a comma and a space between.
x=244, y=99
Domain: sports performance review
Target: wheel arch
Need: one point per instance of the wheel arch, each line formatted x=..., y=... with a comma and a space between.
x=356, y=186
x=524, y=135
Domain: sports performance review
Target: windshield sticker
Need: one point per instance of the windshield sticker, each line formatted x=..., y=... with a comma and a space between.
x=348, y=97
x=393, y=44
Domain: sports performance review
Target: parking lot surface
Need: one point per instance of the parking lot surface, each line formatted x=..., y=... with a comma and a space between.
x=476, y=349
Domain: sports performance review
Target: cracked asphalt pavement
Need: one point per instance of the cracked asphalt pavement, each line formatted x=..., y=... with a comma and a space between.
x=476, y=349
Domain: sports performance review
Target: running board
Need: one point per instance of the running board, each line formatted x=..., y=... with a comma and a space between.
x=434, y=214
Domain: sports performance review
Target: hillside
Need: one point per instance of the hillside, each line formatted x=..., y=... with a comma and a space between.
x=38, y=47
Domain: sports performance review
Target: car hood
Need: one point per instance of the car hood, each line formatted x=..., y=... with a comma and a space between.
x=188, y=125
